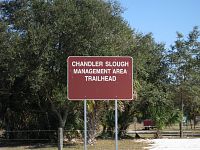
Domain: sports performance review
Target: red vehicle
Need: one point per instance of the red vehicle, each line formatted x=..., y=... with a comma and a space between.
x=148, y=124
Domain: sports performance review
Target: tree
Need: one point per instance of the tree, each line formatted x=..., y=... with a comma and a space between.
x=184, y=58
x=150, y=82
x=50, y=31
x=154, y=100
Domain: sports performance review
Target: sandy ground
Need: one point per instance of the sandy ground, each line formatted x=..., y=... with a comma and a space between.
x=174, y=144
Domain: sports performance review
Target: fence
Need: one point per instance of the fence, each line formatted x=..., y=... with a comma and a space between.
x=47, y=140
x=172, y=134
x=32, y=140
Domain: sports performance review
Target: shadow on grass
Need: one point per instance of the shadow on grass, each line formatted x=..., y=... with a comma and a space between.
x=37, y=146
x=34, y=145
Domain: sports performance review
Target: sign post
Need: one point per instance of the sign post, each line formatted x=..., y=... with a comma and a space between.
x=100, y=78
x=116, y=126
x=85, y=124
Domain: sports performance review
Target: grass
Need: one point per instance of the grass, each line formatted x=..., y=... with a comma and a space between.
x=99, y=145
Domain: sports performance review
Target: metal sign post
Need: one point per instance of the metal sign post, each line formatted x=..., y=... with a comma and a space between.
x=116, y=126
x=85, y=124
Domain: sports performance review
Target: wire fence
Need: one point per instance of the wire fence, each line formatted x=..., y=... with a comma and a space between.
x=47, y=139
x=73, y=140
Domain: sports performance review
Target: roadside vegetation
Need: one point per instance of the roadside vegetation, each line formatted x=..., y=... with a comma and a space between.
x=36, y=38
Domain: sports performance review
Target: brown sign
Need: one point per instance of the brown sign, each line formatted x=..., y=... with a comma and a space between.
x=99, y=78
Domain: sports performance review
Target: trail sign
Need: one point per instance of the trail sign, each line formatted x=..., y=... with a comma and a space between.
x=100, y=78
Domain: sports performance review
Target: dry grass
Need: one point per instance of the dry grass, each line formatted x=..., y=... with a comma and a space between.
x=99, y=145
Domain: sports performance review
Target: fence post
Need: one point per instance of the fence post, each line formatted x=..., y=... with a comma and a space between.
x=60, y=138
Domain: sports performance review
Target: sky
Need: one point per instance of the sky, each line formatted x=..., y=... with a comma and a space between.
x=163, y=18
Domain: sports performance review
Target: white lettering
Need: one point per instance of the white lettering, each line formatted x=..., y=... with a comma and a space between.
x=119, y=71
x=91, y=71
x=87, y=63
x=101, y=78
x=117, y=64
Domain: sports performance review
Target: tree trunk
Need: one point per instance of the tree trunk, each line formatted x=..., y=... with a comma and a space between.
x=92, y=128
x=158, y=134
x=182, y=114
x=190, y=123
x=194, y=118
x=181, y=129
x=62, y=121
x=122, y=130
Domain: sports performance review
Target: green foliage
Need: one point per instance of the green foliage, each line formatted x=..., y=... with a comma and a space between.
x=152, y=81
x=36, y=37
x=185, y=69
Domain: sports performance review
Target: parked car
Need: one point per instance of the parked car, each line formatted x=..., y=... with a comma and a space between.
x=148, y=124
